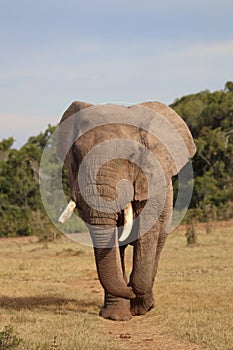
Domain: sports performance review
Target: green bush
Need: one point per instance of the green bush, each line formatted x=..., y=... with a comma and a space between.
x=9, y=339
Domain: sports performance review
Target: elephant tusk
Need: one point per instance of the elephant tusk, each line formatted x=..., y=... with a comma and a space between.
x=128, y=222
x=67, y=212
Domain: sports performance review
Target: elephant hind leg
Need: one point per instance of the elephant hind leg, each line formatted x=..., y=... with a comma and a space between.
x=142, y=276
x=142, y=304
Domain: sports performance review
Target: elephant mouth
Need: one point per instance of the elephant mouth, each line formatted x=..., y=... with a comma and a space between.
x=128, y=218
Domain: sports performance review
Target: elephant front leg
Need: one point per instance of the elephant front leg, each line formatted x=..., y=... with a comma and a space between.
x=115, y=308
x=142, y=304
x=142, y=276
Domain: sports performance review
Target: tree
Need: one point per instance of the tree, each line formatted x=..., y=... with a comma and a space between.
x=21, y=209
x=210, y=118
x=229, y=86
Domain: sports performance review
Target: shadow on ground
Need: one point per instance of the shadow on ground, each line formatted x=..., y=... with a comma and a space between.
x=52, y=303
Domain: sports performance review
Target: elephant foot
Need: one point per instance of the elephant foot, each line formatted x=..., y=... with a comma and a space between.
x=142, y=304
x=120, y=311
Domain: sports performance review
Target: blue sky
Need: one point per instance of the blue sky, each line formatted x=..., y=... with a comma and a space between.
x=54, y=52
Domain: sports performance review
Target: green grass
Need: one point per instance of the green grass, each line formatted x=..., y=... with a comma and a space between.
x=51, y=296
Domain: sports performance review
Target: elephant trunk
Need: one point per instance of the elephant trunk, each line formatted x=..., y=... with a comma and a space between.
x=108, y=262
x=107, y=252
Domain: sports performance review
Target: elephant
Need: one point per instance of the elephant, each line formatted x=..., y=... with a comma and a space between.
x=127, y=156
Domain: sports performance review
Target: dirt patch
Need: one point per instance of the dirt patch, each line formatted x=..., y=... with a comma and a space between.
x=138, y=335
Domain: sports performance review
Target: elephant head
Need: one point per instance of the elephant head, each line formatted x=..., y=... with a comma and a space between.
x=119, y=143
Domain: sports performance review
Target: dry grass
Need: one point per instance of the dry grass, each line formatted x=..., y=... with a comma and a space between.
x=51, y=296
x=195, y=288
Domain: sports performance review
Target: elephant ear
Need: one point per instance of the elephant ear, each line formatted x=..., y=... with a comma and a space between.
x=66, y=130
x=66, y=137
x=172, y=165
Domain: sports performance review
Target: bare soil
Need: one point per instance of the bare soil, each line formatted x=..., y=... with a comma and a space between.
x=136, y=334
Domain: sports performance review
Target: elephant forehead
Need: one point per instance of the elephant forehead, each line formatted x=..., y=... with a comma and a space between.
x=146, y=120
x=141, y=117
x=110, y=141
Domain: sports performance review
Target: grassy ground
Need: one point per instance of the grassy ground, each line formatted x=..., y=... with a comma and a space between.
x=51, y=296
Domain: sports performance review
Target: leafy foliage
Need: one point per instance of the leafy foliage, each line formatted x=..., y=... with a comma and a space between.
x=21, y=209
x=210, y=119
x=19, y=194
x=9, y=339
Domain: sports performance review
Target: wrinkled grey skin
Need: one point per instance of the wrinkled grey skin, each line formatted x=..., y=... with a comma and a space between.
x=134, y=297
